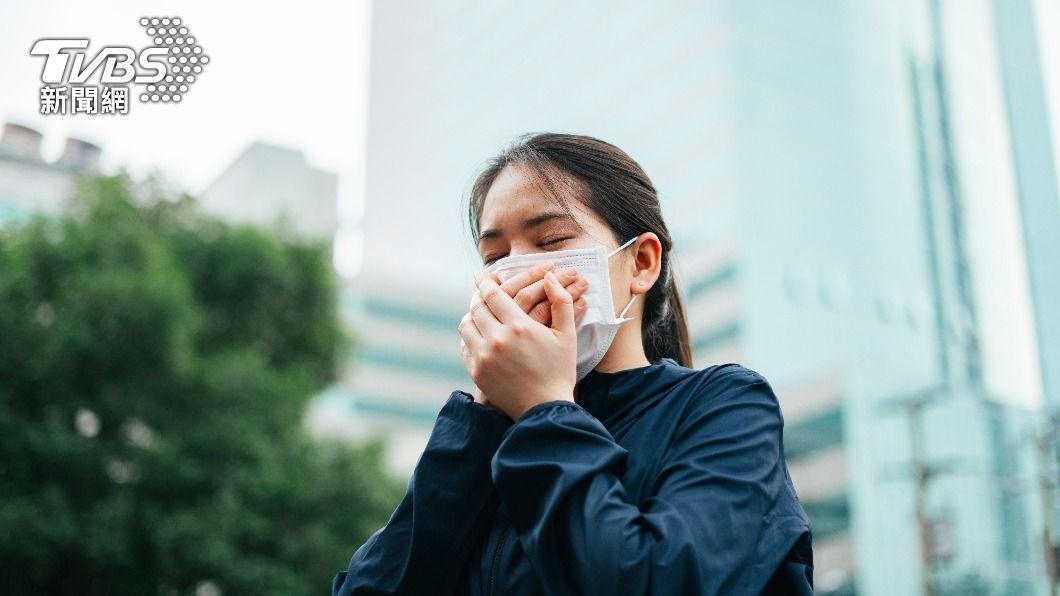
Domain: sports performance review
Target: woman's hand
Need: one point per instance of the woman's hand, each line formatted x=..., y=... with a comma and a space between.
x=528, y=290
x=512, y=357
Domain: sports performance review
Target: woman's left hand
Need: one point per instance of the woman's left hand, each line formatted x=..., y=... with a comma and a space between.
x=514, y=359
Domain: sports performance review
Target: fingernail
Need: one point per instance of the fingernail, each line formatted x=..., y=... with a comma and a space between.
x=570, y=273
x=581, y=284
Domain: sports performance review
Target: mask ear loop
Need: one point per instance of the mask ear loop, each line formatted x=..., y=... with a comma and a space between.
x=622, y=315
x=628, y=242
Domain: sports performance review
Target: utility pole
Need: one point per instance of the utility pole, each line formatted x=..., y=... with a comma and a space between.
x=922, y=477
x=923, y=474
x=1047, y=478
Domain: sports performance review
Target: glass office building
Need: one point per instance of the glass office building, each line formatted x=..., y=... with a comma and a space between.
x=845, y=188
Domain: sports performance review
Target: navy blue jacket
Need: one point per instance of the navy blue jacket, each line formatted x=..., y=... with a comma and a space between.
x=658, y=480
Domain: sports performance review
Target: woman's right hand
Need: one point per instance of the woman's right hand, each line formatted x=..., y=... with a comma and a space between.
x=528, y=290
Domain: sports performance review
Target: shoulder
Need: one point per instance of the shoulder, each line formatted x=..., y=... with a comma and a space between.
x=720, y=379
x=727, y=387
x=731, y=374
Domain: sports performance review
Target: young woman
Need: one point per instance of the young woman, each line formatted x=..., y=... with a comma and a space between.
x=593, y=459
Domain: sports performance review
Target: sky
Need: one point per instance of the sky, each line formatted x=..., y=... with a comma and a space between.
x=292, y=74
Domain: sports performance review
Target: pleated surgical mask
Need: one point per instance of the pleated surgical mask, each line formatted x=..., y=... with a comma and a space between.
x=598, y=326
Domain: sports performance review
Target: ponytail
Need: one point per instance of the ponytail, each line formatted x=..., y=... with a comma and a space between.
x=664, y=327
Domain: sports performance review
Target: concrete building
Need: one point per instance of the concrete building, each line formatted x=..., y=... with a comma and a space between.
x=267, y=185
x=28, y=184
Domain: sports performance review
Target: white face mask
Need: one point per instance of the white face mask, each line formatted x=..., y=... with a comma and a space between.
x=598, y=325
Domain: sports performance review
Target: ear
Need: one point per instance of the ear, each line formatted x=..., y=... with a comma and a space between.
x=646, y=263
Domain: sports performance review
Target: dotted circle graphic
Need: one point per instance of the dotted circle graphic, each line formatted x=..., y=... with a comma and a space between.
x=183, y=56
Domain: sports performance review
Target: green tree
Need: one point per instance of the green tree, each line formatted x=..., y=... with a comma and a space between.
x=155, y=365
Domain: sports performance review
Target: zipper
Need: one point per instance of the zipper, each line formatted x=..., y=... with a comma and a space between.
x=496, y=558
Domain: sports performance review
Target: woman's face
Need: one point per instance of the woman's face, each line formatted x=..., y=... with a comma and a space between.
x=518, y=218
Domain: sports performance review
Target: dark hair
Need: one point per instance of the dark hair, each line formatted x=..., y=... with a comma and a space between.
x=606, y=180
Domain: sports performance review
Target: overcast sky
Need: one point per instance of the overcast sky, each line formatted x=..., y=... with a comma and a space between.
x=293, y=74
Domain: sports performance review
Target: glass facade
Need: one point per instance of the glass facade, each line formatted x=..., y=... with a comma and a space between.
x=844, y=186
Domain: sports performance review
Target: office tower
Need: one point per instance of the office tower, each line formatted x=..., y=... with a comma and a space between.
x=840, y=182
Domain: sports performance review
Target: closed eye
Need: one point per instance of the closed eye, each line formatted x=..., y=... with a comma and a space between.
x=553, y=242
x=543, y=245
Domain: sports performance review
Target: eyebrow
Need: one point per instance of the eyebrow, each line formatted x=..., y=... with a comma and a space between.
x=528, y=224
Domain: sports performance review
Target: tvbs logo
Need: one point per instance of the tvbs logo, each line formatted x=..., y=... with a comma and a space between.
x=163, y=71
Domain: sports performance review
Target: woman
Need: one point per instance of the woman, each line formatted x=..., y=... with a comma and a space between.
x=593, y=459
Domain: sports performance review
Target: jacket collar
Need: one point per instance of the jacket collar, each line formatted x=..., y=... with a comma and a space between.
x=614, y=396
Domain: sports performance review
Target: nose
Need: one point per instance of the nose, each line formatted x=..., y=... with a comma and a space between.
x=523, y=248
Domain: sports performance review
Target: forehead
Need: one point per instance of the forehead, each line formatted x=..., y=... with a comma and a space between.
x=516, y=196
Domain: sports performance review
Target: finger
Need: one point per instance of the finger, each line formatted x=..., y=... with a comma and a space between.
x=527, y=297
x=533, y=294
x=533, y=299
x=562, y=305
x=474, y=297
x=483, y=318
x=500, y=303
x=580, y=306
x=543, y=311
x=469, y=333
x=524, y=278
x=481, y=275
x=484, y=275
x=577, y=287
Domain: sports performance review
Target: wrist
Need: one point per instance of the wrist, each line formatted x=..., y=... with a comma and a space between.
x=542, y=405
x=559, y=396
x=481, y=400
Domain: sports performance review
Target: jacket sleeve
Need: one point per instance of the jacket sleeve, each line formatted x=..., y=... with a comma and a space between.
x=705, y=529
x=422, y=548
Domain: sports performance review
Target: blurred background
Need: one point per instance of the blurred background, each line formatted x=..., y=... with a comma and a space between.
x=227, y=326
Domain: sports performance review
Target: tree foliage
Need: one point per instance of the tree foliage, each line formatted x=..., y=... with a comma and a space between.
x=155, y=366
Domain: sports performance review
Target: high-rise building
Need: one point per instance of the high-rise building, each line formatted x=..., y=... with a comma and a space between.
x=845, y=184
